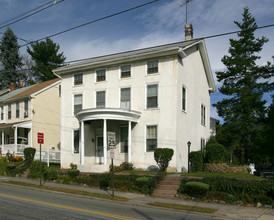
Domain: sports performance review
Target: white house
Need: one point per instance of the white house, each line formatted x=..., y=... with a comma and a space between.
x=157, y=97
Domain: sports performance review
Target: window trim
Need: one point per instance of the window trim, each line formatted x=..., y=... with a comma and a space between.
x=75, y=82
x=73, y=141
x=9, y=111
x=96, y=77
x=203, y=143
x=73, y=107
x=125, y=77
x=157, y=135
x=152, y=68
x=129, y=97
x=203, y=114
x=153, y=84
x=17, y=108
x=104, y=100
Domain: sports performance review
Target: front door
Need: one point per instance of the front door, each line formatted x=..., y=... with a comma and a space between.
x=99, y=149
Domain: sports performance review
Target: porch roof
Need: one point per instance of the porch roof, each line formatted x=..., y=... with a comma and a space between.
x=108, y=113
x=22, y=124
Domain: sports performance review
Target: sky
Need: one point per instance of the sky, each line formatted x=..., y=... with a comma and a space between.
x=155, y=24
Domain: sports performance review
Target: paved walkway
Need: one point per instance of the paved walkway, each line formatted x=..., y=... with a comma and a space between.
x=225, y=211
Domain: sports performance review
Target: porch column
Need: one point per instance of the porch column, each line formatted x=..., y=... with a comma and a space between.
x=105, y=141
x=15, y=139
x=82, y=143
x=3, y=139
x=129, y=142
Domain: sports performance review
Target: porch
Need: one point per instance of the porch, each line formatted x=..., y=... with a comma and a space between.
x=15, y=137
x=96, y=127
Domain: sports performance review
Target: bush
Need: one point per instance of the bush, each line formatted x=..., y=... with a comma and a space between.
x=29, y=153
x=35, y=169
x=50, y=175
x=143, y=183
x=73, y=166
x=126, y=166
x=215, y=152
x=104, y=183
x=197, y=189
x=162, y=157
x=17, y=159
x=63, y=179
x=73, y=173
x=196, y=159
x=3, y=160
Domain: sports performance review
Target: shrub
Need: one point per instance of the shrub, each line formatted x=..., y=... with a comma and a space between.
x=197, y=189
x=73, y=166
x=126, y=166
x=143, y=184
x=51, y=175
x=196, y=159
x=215, y=152
x=162, y=157
x=29, y=153
x=3, y=160
x=35, y=169
x=63, y=179
x=104, y=183
x=73, y=173
x=17, y=159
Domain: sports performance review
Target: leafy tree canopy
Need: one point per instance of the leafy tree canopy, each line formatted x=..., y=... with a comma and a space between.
x=46, y=57
x=10, y=59
x=244, y=83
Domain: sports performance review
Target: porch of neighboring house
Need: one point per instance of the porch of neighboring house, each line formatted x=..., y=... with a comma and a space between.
x=96, y=126
x=15, y=137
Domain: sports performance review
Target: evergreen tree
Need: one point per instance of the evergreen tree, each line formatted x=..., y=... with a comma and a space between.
x=46, y=57
x=244, y=83
x=10, y=59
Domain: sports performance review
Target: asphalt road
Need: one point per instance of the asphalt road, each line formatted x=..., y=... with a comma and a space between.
x=24, y=203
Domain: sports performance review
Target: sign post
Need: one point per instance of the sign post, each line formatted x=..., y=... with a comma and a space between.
x=40, y=137
x=112, y=176
x=112, y=145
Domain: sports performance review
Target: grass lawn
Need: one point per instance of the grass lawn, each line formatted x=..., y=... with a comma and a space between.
x=226, y=175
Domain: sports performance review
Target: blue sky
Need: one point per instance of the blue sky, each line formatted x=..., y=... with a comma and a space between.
x=158, y=23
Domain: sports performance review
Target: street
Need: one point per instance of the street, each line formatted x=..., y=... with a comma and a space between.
x=24, y=203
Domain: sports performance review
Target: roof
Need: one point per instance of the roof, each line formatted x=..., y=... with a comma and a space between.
x=141, y=54
x=28, y=91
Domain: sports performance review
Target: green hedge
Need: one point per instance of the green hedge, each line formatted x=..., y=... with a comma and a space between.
x=215, y=152
x=197, y=189
x=234, y=190
x=196, y=159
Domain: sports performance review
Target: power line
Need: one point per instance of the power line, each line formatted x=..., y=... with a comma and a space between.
x=195, y=39
x=90, y=22
x=29, y=15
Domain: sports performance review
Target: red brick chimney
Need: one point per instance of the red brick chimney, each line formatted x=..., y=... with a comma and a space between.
x=12, y=87
x=21, y=83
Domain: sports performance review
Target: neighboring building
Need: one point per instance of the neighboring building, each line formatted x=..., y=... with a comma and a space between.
x=157, y=97
x=28, y=110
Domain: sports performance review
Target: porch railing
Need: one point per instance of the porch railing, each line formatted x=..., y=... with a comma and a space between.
x=19, y=150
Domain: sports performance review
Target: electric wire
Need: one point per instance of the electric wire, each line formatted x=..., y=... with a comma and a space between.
x=90, y=22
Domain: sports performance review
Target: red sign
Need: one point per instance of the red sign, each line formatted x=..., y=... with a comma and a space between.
x=40, y=138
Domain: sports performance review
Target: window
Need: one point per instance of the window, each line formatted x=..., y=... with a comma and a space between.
x=203, y=113
x=100, y=99
x=2, y=112
x=124, y=139
x=60, y=91
x=184, y=99
x=100, y=75
x=76, y=141
x=77, y=103
x=152, y=96
x=17, y=110
x=151, y=138
x=26, y=108
x=9, y=111
x=125, y=98
x=202, y=143
x=78, y=79
x=152, y=67
x=125, y=71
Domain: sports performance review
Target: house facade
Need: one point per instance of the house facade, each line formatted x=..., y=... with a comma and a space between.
x=27, y=111
x=135, y=102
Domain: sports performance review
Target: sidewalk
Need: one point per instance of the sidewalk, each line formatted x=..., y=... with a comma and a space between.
x=224, y=210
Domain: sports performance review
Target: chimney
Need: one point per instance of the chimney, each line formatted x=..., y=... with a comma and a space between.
x=21, y=83
x=188, y=32
x=12, y=87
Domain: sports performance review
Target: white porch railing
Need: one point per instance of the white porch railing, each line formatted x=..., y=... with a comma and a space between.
x=47, y=156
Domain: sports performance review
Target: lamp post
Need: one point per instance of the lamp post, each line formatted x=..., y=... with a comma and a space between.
x=188, y=144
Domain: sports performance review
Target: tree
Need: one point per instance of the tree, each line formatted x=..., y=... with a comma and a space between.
x=46, y=57
x=162, y=157
x=244, y=83
x=10, y=59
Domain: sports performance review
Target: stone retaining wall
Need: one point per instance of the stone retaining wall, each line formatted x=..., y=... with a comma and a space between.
x=223, y=168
